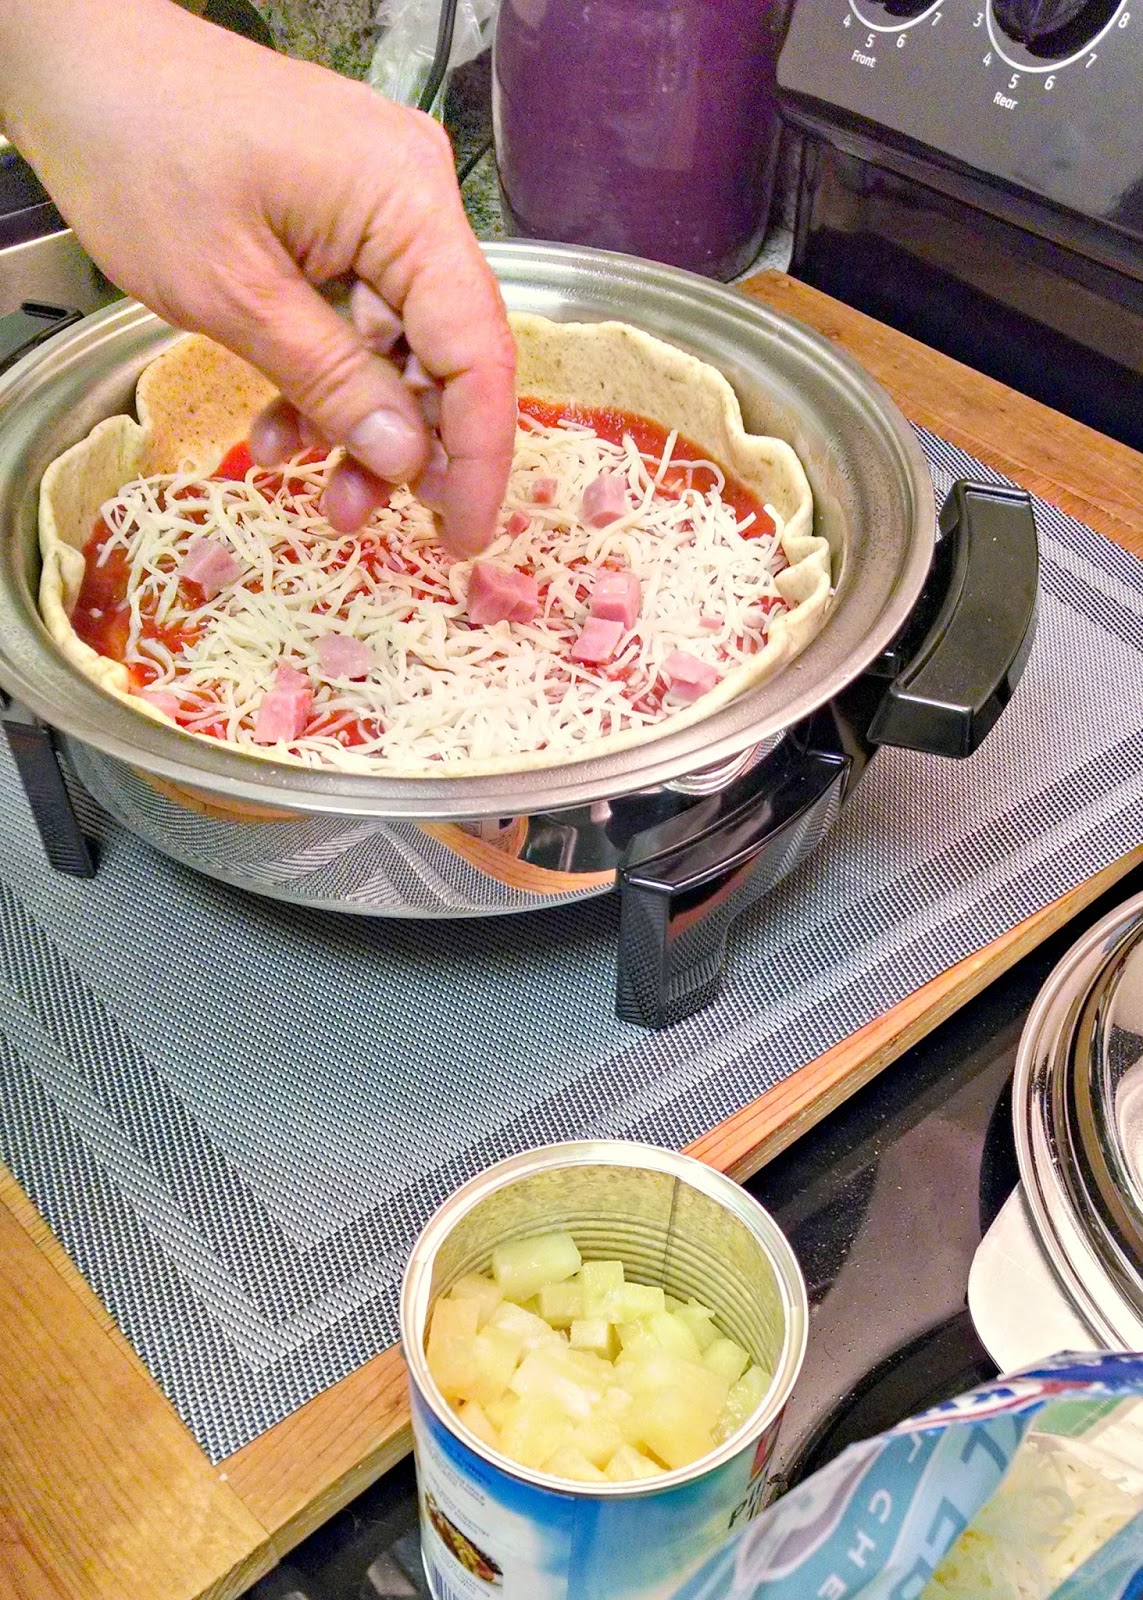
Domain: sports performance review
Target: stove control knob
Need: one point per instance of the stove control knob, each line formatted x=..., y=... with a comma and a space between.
x=1032, y=22
x=906, y=8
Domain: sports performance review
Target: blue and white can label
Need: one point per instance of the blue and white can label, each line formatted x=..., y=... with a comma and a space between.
x=487, y=1535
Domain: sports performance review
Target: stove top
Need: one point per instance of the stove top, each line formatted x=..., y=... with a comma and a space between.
x=1039, y=95
x=971, y=172
x=885, y=1203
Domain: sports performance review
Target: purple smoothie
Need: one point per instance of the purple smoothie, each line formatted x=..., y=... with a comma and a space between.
x=646, y=126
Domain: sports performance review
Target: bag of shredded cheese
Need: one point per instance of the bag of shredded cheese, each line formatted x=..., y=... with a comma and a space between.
x=1029, y=1488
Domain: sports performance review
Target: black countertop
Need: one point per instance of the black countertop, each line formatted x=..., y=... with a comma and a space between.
x=885, y=1203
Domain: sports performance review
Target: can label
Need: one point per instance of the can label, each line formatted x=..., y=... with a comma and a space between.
x=486, y=1535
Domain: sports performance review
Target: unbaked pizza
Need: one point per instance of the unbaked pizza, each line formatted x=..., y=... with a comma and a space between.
x=653, y=560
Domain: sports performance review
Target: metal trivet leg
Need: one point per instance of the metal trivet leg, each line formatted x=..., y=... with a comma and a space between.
x=37, y=761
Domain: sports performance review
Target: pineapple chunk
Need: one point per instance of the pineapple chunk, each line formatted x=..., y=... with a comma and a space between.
x=636, y=1338
x=743, y=1400
x=629, y=1464
x=598, y=1279
x=533, y=1431
x=523, y=1266
x=475, y=1419
x=498, y=1411
x=632, y=1301
x=598, y=1438
x=475, y=1286
x=449, y=1352
x=529, y=1331
x=568, y=1462
x=726, y=1358
x=544, y=1375
x=670, y=1425
x=700, y=1320
x=646, y=1375
x=596, y=1335
x=495, y=1354
x=616, y=1401
x=673, y=1336
x=561, y=1303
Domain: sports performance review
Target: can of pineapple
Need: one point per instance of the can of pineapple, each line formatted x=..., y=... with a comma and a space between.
x=491, y=1527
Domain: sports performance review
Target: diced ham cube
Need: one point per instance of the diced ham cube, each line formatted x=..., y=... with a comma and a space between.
x=517, y=523
x=498, y=594
x=340, y=655
x=712, y=620
x=598, y=642
x=688, y=677
x=544, y=491
x=616, y=596
x=164, y=700
x=210, y=565
x=285, y=707
x=605, y=500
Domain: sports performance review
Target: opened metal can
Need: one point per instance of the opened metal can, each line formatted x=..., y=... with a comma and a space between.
x=491, y=1527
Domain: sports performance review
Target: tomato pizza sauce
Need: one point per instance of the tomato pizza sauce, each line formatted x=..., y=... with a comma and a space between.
x=631, y=571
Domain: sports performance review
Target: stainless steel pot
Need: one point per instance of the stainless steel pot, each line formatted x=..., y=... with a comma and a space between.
x=687, y=819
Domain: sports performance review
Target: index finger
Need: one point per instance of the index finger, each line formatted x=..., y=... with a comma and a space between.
x=455, y=322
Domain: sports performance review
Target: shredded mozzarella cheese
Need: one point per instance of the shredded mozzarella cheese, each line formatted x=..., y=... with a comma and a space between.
x=439, y=688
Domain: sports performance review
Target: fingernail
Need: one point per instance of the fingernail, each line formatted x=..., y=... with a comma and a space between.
x=351, y=498
x=274, y=435
x=430, y=486
x=388, y=445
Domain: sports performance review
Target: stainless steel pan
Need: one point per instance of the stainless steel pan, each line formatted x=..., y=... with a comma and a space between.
x=773, y=766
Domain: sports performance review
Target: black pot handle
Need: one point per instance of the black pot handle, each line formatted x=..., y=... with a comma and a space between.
x=23, y=330
x=939, y=690
x=950, y=685
x=37, y=762
x=683, y=882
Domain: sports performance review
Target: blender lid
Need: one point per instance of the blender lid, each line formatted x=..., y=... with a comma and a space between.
x=1078, y=1110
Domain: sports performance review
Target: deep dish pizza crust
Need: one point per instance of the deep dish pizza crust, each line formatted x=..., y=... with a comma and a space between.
x=196, y=400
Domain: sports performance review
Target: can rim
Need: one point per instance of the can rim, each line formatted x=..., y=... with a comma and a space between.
x=417, y=1283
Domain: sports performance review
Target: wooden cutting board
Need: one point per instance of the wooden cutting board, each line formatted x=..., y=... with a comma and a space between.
x=103, y=1493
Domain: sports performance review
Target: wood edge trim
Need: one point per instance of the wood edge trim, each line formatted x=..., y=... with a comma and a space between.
x=952, y=412
x=755, y=1134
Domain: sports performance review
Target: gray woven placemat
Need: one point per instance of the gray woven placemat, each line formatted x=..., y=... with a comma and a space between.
x=236, y=1114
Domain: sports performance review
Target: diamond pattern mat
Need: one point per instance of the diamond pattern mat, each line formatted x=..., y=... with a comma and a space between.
x=236, y=1114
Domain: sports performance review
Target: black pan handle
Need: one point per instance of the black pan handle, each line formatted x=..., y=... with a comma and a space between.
x=683, y=882
x=23, y=330
x=37, y=762
x=939, y=690
x=947, y=696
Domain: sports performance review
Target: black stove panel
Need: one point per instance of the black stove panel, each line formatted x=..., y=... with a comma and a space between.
x=1044, y=95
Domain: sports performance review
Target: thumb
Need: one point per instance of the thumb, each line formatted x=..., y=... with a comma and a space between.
x=321, y=365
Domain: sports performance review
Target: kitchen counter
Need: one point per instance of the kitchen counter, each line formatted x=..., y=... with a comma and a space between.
x=104, y=1493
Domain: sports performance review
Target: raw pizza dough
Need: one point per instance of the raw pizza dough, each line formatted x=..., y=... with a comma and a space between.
x=196, y=400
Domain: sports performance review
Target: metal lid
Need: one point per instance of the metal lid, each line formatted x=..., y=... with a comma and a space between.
x=1078, y=1111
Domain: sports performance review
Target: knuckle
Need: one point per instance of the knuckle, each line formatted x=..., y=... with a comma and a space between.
x=325, y=378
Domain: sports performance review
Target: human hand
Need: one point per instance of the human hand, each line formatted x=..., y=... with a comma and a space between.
x=222, y=184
